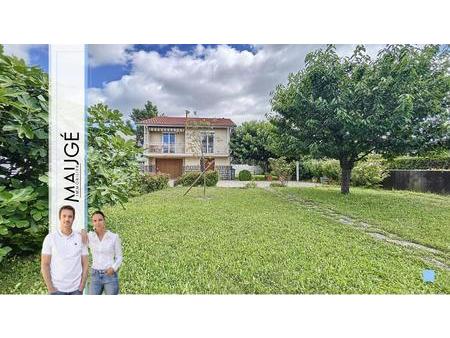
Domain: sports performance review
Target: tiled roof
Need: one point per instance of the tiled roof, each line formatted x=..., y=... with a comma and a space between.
x=181, y=121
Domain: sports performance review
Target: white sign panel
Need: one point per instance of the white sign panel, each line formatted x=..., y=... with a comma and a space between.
x=67, y=177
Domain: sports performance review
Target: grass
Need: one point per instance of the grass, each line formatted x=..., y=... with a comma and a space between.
x=251, y=241
x=418, y=217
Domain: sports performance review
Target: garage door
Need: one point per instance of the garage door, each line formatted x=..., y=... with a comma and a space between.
x=173, y=167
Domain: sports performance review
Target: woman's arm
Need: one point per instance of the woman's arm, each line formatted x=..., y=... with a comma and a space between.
x=117, y=254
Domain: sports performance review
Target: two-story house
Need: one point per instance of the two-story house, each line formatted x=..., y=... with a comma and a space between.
x=175, y=145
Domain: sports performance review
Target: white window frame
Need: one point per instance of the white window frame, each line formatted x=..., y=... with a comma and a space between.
x=170, y=146
x=207, y=133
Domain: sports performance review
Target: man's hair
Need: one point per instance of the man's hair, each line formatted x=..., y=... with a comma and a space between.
x=67, y=207
x=98, y=212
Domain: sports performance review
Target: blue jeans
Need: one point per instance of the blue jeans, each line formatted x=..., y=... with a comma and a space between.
x=100, y=282
x=61, y=293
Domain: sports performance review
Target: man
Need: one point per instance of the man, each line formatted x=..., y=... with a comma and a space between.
x=64, y=261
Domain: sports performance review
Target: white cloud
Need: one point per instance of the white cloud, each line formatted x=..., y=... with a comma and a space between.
x=214, y=81
x=20, y=51
x=100, y=55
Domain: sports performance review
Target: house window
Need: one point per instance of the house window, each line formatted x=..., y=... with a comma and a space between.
x=168, y=142
x=208, y=143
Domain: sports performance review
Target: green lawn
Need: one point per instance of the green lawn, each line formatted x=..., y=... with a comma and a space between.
x=418, y=217
x=253, y=241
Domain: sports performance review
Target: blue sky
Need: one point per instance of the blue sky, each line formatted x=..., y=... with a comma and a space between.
x=230, y=81
x=34, y=55
x=99, y=75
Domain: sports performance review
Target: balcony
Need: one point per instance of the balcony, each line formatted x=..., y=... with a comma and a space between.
x=165, y=148
x=178, y=150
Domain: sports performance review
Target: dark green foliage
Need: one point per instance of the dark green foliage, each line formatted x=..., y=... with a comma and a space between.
x=245, y=175
x=348, y=107
x=113, y=169
x=250, y=143
x=154, y=182
x=211, y=177
x=432, y=162
x=23, y=156
x=150, y=110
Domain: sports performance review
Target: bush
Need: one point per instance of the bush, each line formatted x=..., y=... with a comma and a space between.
x=320, y=168
x=259, y=177
x=211, y=178
x=154, y=182
x=426, y=162
x=281, y=168
x=245, y=175
x=369, y=174
x=332, y=170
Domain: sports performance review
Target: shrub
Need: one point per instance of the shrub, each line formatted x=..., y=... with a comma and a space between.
x=368, y=174
x=259, y=177
x=321, y=168
x=154, y=182
x=245, y=175
x=332, y=170
x=426, y=162
x=281, y=168
x=211, y=178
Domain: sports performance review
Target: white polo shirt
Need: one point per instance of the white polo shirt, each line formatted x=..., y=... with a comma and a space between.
x=65, y=265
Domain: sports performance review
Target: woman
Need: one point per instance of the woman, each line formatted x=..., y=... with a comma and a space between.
x=106, y=253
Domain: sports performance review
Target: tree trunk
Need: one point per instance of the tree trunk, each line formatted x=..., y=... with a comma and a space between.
x=346, y=170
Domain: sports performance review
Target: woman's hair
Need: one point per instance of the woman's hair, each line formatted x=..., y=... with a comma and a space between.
x=98, y=212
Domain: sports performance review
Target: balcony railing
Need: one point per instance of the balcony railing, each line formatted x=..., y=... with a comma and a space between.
x=177, y=148
x=165, y=148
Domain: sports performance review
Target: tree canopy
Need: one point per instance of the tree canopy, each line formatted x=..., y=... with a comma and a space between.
x=150, y=110
x=347, y=107
x=251, y=143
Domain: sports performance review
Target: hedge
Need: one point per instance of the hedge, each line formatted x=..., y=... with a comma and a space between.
x=211, y=178
x=409, y=162
x=154, y=182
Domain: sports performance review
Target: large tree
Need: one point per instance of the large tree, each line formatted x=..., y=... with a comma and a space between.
x=251, y=143
x=347, y=107
x=150, y=110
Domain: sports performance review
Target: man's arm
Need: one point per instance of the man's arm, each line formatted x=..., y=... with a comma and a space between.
x=45, y=270
x=85, y=266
